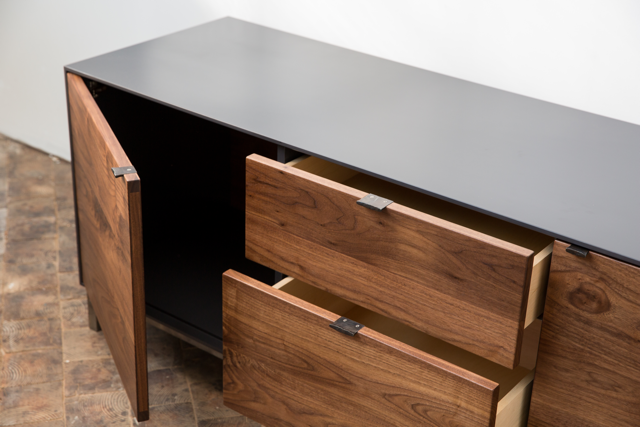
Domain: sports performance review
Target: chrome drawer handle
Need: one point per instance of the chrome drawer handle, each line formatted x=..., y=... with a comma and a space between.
x=374, y=202
x=124, y=170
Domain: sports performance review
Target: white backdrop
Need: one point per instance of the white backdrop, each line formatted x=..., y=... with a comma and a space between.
x=579, y=53
x=39, y=37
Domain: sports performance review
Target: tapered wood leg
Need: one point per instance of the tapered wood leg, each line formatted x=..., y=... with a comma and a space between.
x=94, y=324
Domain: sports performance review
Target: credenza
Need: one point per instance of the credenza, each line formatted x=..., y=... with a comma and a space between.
x=363, y=242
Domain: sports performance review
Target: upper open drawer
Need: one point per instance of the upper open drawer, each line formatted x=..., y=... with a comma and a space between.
x=461, y=276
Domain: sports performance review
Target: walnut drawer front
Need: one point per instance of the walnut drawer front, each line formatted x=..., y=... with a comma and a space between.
x=458, y=275
x=589, y=362
x=284, y=365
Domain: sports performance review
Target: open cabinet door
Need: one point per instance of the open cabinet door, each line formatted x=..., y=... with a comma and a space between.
x=110, y=240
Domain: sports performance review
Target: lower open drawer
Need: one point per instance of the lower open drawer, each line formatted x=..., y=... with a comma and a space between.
x=284, y=365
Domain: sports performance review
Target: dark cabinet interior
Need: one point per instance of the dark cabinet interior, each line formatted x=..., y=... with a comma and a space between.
x=193, y=195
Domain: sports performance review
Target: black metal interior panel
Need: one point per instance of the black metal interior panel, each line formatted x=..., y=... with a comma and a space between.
x=193, y=174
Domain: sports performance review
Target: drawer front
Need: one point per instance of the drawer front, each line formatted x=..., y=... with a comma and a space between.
x=109, y=222
x=456, y=284
x=588, y=370
x=284, y=365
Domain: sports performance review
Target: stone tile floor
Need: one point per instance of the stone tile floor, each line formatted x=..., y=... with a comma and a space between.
x=56, y=371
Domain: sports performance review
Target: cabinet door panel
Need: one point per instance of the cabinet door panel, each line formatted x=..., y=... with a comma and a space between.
x=588, y=371
x=110, y=240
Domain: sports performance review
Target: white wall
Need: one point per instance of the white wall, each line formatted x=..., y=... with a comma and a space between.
x=39, y=37
x=579, y=53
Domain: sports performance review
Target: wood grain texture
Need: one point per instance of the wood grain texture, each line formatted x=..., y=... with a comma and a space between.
x=110, y=226
x=538, y=287
x=451, y=282
x=588, y=371
x=284, y=365
x=513, y=409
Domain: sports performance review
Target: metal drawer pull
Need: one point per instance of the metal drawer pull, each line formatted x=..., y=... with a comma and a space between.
x=374, y=202
x=124, y=170
x=578, y=251
x=346, y=326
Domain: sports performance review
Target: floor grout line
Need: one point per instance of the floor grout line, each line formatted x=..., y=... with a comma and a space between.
x=31, y=350
x=25, y=319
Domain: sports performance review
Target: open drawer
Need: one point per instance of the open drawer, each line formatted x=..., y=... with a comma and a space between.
x=285, y=365
x=461, y=276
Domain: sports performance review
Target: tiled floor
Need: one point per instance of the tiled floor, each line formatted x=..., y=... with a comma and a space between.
x=55, y=370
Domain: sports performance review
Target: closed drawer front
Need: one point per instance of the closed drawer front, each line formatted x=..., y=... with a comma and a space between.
x=589, y=364
x=458, y=275
x=284, y=365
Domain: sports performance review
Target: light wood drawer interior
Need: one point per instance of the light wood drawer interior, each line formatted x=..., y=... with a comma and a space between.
x=540, y=244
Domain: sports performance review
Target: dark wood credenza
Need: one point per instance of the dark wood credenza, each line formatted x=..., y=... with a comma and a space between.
x=223, y=178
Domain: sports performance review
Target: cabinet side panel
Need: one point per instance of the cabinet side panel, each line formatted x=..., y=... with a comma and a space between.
x=588, y=371
x=110, y=229
x=73, y=178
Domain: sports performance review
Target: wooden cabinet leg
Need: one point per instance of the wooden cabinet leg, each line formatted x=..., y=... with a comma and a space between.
x=94, y=324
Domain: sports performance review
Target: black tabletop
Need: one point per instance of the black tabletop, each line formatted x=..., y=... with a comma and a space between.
x=570, y=174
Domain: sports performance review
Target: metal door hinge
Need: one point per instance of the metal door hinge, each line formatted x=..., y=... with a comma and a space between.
x=346, y=326
x=578, y=251
x=374, y=202
x=124, y=170
x=96, y=88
